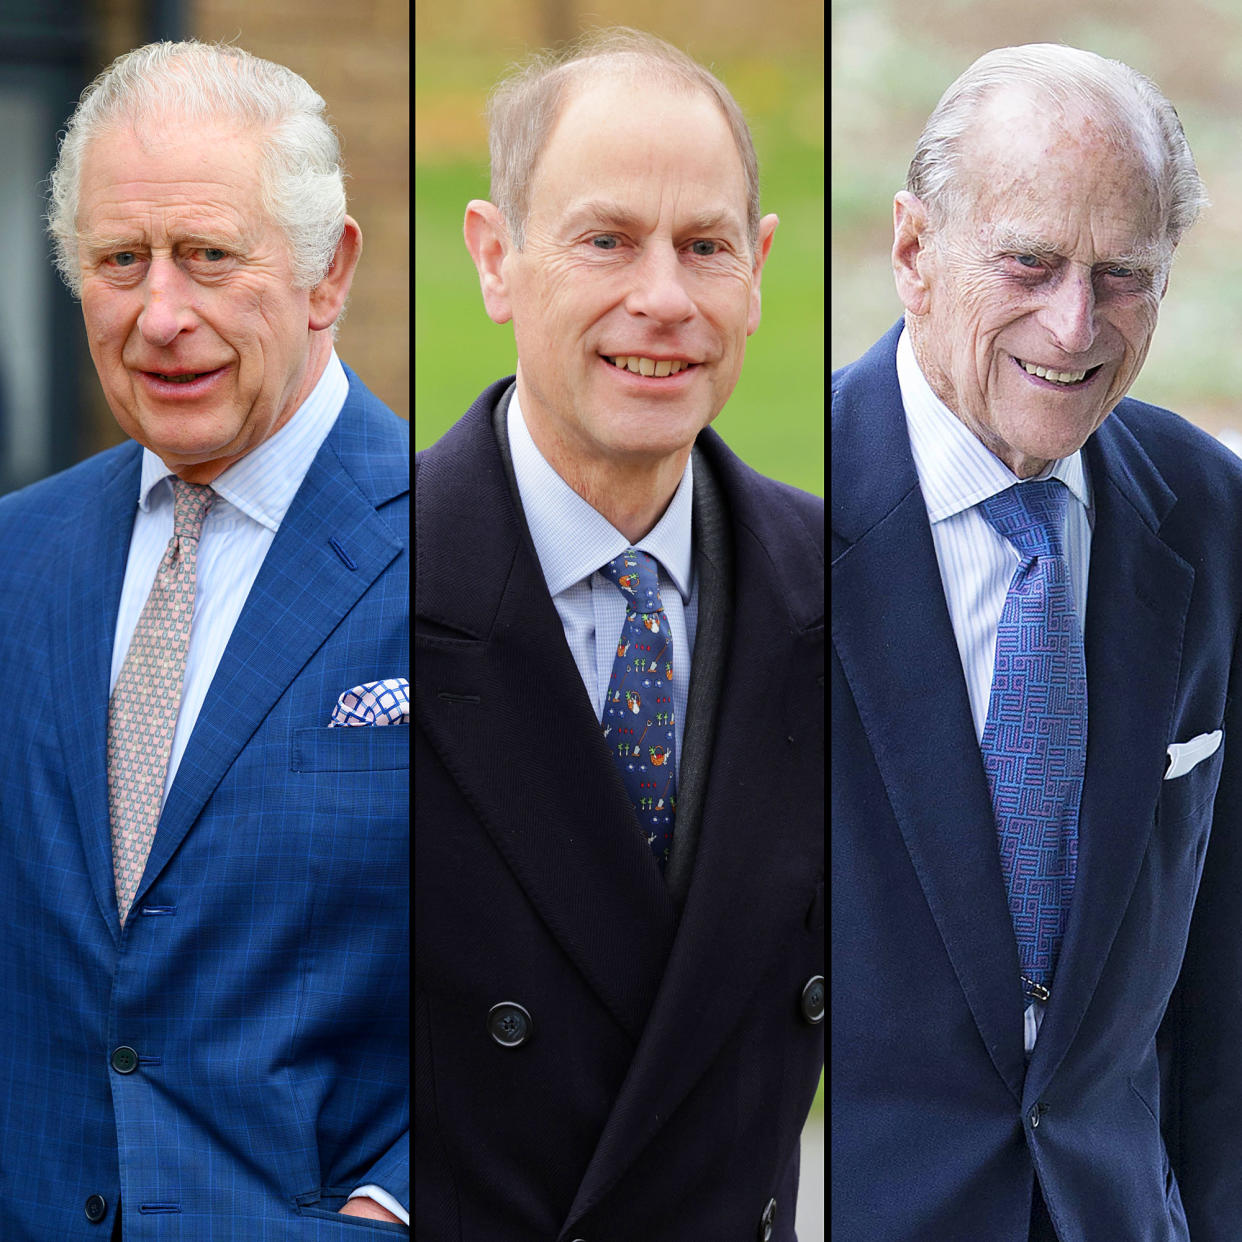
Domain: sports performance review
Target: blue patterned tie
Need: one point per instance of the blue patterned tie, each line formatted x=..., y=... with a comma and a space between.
x=1035, y=739
x=638, y=709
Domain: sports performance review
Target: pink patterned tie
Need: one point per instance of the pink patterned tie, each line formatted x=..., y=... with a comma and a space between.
x=142, y=713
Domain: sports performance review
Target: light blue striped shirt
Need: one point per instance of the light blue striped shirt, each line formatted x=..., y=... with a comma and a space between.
x=573, y=541
x=252, y=496
x=977, y=565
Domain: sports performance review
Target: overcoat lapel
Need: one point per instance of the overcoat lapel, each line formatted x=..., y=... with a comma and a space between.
x=1137, y=598
x=894, y=638
x=498, y=688
x=302, y=592
x=88, y=596
x=722, y=945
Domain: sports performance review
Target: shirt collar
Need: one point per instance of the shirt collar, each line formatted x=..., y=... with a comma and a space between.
x=956, y=471
x=262, y=484
x=572, y=539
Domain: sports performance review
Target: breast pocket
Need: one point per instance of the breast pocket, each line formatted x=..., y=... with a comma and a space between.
x=1191, y=795
x=360, y=748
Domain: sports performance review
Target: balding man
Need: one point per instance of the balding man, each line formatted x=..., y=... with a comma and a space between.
x=1037, y=937
x=619, y=698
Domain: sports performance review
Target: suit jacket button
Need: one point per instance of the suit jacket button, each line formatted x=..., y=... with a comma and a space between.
x=509, y=1024
x=766, y=1221
x=813, y=1000
x=124, y=1060
x=96, y=1209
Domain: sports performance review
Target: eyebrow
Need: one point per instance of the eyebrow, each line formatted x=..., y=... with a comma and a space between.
x=108, y=243
x=1011, y=241
x=606, y=211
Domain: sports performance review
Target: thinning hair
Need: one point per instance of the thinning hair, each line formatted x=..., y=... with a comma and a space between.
x=525, y=106
x=1124, y=104
x=301, y=176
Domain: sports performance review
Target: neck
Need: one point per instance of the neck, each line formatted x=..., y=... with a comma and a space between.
x=632, y=492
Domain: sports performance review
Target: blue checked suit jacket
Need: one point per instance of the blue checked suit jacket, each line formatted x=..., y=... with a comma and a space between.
x=1135, y=1078
x=262, y=978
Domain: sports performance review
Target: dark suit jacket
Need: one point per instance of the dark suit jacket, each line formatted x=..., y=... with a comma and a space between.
x=1129, y=1110
x=262, y=977
x=663, y=1090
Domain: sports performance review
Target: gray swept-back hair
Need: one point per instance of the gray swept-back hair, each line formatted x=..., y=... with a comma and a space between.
x=525, y=106
x=302, y=179
x=1124, y=103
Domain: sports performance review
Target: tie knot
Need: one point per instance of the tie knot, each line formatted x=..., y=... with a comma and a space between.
x=190, y=504
x=636, y=575
x=1031, y=516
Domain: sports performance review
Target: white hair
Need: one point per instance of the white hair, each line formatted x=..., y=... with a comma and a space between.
x=1126, y=105
x=302, y=181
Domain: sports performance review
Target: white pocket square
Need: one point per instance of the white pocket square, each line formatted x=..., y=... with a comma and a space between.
x=1184, y=755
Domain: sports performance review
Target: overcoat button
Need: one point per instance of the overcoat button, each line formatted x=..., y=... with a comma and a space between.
x=509, y=1024
x=813, y=1000
x=124, y=1060
x=96, y=1209
x=766, y=1221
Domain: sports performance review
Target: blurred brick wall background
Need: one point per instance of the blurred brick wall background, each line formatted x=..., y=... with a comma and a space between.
x=357, y=57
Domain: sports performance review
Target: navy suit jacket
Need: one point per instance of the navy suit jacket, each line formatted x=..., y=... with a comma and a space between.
x=262, y=976
x=1130, y=1111
x=663, y=1089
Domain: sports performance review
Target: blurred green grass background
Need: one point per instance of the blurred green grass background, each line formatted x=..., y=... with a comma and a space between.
x=775, y=418
x=892, y=60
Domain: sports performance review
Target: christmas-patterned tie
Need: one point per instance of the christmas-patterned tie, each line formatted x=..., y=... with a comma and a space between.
x=1035, y=739
x=142, y=713
x=638, y=718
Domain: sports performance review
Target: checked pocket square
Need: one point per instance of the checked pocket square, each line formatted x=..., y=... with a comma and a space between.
x=373, y=703
x=1184, y=755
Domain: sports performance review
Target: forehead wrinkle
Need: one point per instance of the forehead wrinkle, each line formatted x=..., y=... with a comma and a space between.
x=608, y=211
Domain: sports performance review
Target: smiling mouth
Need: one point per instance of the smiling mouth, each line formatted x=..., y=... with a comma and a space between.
x=652, y=367
x=1062, y=379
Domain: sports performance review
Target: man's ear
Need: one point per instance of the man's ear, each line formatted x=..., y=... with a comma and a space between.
x=911, y=253
x=487, y=239
x=327, y=298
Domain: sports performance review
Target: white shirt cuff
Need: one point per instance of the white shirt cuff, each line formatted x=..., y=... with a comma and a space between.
x=385, y=1200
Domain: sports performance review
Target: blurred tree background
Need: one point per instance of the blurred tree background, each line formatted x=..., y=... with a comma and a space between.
x=771, y=57
x=892, y=60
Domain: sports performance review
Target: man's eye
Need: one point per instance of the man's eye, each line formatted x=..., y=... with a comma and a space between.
x=1027, y=260
x=1121, y=272
x=124, y=258
x=604, y=242
x=210, y=254
x=704, y=248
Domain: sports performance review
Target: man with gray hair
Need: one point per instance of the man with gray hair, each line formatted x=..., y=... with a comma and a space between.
x=205, y=882
x=1037, y=599
x=619, y=698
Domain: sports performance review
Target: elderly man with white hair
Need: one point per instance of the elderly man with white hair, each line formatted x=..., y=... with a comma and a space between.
x=1037, y=782
x=204, y=807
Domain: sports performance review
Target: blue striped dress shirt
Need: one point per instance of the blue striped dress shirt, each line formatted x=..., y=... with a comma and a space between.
x=956, y=472
x=252, y=496
x=573, y=540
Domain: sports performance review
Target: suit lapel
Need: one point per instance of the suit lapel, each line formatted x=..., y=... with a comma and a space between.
x=894, y=638
x=1138, y=596
x=498, y=686
x=90, y=594
x=722, y=944
x=302, y=592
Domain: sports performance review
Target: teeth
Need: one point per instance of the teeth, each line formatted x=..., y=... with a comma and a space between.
x=649, y=366
x=1057, y=377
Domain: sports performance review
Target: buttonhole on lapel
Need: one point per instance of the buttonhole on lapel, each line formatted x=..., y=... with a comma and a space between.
x=458, y=698
x=345, y=557
x=158, y=910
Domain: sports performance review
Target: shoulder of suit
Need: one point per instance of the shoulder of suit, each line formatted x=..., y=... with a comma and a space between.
x=58, y=497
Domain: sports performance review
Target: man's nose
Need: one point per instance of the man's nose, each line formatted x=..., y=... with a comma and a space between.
x=1069, y=314
x=659, y=290
x=167, y=303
